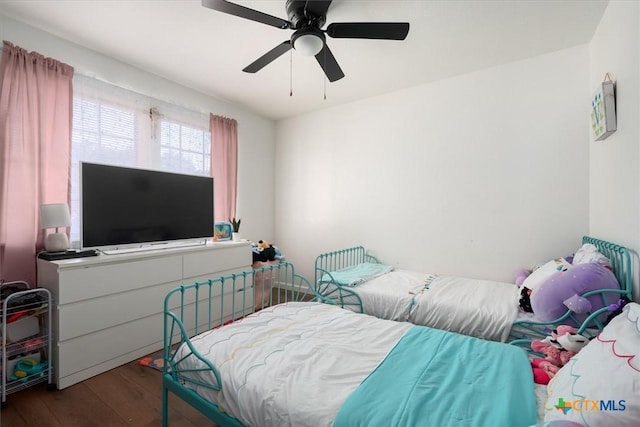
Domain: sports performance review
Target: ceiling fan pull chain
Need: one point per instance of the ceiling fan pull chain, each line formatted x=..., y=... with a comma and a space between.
x=324, y=75
x=291, y=73
x=325, y=88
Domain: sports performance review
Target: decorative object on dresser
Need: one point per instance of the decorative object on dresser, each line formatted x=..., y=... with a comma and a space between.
x=222, y=230
x=55, y=215
x=235, y=225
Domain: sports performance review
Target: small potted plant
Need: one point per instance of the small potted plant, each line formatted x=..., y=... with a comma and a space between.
x=235, y=226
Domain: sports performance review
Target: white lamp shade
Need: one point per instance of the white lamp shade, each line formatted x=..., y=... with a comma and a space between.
x=55, y=215
x=308, y=44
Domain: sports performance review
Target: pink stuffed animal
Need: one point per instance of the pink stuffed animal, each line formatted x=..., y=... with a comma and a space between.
x=558, y=349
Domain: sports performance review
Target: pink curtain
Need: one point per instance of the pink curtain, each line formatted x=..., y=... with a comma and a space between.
x=35, y=143
x=224, y=166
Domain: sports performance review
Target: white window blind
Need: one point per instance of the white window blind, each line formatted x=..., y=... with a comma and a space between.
x=119, y=127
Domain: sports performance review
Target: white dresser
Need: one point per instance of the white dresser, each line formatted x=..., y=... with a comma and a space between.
x=108, y=308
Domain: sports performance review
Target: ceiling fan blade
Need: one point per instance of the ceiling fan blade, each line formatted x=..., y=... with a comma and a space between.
x=265, y=59
x=317, y=7
x=329, y=64
x=245, y=12
x=369, y=30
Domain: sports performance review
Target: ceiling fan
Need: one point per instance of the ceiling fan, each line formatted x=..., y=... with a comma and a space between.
x=306, y=18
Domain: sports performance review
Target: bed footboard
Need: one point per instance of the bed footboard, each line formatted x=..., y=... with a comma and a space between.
x=195, y=308
x=525, y=331
x=327, y=288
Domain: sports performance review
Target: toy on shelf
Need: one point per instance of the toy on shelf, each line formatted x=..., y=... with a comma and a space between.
x=26, y=368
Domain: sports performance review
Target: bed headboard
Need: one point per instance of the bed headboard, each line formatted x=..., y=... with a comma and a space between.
x=620, y=259
x=336, y=260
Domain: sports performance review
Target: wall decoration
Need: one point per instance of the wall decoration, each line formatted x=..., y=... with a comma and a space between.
x=603, y=110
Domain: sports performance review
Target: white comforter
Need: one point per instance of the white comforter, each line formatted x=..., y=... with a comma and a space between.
x=267, y=362
x=481, y=308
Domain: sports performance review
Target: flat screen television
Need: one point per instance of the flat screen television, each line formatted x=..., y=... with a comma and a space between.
x=123, y=207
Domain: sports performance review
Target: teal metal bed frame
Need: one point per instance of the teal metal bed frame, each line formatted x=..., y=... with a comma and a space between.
x=197, y=307
x=618, y=255
x=325, y=285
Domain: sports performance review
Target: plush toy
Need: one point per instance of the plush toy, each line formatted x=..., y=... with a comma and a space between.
x=263, y=252
x=523, y=295
x=557, y=349
x=563, y=290
x=521, y=275
x=524, y=300
x=536, y=277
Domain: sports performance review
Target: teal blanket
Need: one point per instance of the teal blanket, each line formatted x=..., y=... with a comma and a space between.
x=437, y=378
x=354, y=275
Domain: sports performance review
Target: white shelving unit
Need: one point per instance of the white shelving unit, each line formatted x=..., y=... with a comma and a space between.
x=26, y=337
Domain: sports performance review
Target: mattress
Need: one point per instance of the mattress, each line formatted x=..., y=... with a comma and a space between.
x=296, y=364
x=481, y=308
x=266, y=380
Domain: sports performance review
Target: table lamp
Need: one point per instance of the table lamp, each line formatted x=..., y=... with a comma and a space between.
x=55, y=215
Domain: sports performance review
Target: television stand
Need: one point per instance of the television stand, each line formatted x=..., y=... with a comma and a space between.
x=108, y=309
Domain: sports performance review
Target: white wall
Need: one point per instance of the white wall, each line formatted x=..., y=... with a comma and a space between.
x=615, y=162
x=256, y=134
x=476, y=175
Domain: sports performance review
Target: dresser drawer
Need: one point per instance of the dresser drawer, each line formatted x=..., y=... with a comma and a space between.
x=101, y=346
x=209, y=263
x=77, y=284
x=112, y=310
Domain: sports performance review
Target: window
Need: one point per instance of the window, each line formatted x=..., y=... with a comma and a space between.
x=184, y=148
x=115, y=126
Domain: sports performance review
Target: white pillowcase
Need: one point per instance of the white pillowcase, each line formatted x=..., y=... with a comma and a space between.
x=603, y=375
x=541, y=274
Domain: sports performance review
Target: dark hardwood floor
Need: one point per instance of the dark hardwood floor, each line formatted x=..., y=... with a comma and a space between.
x=130, y=395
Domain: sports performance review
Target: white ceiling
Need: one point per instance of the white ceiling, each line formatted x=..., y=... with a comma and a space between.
x=207, y=50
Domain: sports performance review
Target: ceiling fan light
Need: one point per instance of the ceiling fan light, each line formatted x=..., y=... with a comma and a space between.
x=308, y=44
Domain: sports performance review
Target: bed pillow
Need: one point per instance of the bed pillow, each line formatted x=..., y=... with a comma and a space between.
x=599, y=386
x=356, y=274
